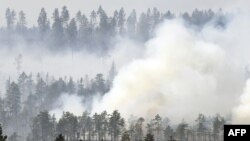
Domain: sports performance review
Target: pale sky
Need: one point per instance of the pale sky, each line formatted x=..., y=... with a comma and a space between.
x=32, y=7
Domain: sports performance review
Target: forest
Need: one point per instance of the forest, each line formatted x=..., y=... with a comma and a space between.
x=27, y=101
x=95, y=32
x=24, y=111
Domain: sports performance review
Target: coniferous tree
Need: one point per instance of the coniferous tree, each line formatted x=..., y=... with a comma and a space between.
x=84, y=124
x=41, y=90
x=99, y=84
x=168, y=15
x=89, y=127
x=131, y=24
x=67, y=125
x=64, y=16
x=181, y=130
x=139, y=129
x=149, y=137
x=121, y=21
x=3, y=116
x=57, y=28
x=143, y=27
x=114, y=23
x=218, y=124
x=157, y=121
x=168, y=132
x=201, y=123
x=84, y=28
x=42, y=127
x=21, y=24
x=93, y=19
x=13, y=100
x=2, y=137
x=10, y=18
x=104, y=128
x=60, y=138
x=81, y=90
x=156, y=17
x=103, y=29
x=125, y=136
x=116, y=124
x=72, y=32
x=43, y=23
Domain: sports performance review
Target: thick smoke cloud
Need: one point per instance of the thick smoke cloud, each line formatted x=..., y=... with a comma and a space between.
x=241, y=113
x=184, y=73
x=181, y=72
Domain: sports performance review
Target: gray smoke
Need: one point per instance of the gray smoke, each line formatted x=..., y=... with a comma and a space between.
x=184, y=72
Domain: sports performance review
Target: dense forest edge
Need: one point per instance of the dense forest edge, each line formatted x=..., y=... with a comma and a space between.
x=95, y=32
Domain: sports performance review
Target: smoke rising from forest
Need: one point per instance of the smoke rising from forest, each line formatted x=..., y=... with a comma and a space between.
x=240, y=113
x=185, y=72
x=67, y=102
x=171, y=66
x=77, y=64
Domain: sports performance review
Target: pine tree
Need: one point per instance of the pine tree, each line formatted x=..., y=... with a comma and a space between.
x=103, y=24
x=85, y=29
x=125, y=136
x=201, y=123
x=138, y=129
x=156, y=17
x=46, y=125
x=99, y=84
x=43, y=23
x=13, y=100
x=149, y=137
x=168, y=132
x=64, y=16
x=67, y=125
x=2, y=137
x=21, y=24
x=72, y=32
x=80, y=89
x=10, y=18
x=57, y=29
x=83, y=124
x=181, y=130
x=3, y=117
x=60, y=138
x=93, y=19
x=114, y=23
x=41, y=90
x=42, y=127
x=121, y=21
x=143, y=27
x=131, y=24
x=168, y=15
x=116, y=124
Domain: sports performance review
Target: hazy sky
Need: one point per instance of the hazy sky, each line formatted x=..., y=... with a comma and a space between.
x=32, y=7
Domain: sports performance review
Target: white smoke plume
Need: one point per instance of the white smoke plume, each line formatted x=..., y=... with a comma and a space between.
x=183, y=73
x=241, y=114
x=68, y=103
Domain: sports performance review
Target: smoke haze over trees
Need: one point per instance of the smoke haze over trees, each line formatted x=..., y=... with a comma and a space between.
x=95, y=31
x=34, y=106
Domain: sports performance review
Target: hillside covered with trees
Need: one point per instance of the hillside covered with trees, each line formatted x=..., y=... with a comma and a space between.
x=24, y=114
x=95, y=31
x=27, y=101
